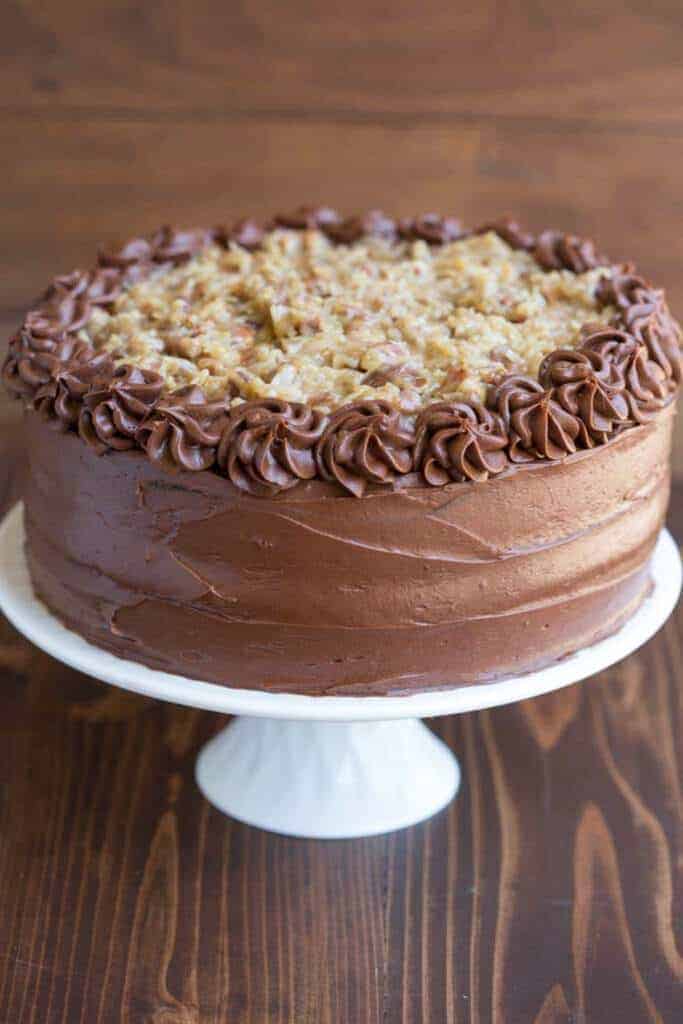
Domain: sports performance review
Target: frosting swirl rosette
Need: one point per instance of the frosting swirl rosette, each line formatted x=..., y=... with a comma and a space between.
x=431, y=228
x=114, y=408
x=662, y=337
x=459, y=441
x=557, y=251
x=645, y=316
x=66, y=307
x=59, y=398
x=611, y=343
x=122, y=257
x=246, y=232
x=136, y=257
x=366, y=442
x=647, y=385
x=267, y=445
x=183, y=431
x=374, y=224
x=103, y=286
x=590, y=387
x=169, y=245
x=539, y=427
x=31, y=362
x=307, y=218
x=35, y=364
x=511, y=232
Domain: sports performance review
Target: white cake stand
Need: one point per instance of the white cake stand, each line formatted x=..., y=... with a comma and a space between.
x=324, y=767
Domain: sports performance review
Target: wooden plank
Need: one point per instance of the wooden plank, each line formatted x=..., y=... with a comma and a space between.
x=602, y=61
x=86, y=181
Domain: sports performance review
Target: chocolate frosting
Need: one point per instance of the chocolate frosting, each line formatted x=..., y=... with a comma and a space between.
x=268, y=447
x=556, y=251
x=314, y=591
x=367, y=442
x=183, y=430
x=619, y=378
x=538, y=426
x=113, y=412
x=460, y=441
x=481, y=546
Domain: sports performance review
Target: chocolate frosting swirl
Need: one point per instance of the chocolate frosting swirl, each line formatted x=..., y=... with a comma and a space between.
x=246, y=232
x=308, y=218
x=365, y=442
x=184, y=430
x=34, y=364
x=32, y=361
x=121, y=257
x=589, y=387
x=60, y=398
x=459, y=441
x=539, y=427
x=557, y=251
x=647, y=389
x=646, y=317
x=267, y=446
x=167, y=245
x=431, y=228
x=172, y=246
x=510, y=231
x=374, y=223
x=114, y=408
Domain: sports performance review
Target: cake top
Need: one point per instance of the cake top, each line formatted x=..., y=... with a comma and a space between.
x=366, y=351
x=306, y=320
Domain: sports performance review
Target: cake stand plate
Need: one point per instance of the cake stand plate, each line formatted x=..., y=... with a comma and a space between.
x=324, y=767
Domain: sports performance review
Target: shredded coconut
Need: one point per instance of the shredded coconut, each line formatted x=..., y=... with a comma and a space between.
x=309, y=321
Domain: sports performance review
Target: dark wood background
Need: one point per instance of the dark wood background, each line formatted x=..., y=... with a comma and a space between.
x=552, y=890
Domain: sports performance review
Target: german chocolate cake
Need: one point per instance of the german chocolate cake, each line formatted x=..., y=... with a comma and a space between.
x=346, y=456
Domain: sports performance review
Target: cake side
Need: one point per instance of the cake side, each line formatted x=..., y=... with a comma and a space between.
x=316, y=592
x=357, y=352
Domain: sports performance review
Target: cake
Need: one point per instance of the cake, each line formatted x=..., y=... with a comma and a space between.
x=350, y=456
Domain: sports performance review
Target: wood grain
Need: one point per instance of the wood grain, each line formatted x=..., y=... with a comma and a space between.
x=550, y=891
x=601, y=61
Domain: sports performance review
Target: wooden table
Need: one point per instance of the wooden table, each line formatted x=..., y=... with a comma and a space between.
x=550, y=891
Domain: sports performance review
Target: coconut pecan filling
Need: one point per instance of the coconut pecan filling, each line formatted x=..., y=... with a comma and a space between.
x=303, y=319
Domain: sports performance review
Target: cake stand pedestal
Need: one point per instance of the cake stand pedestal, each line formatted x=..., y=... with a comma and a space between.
x=324, y=767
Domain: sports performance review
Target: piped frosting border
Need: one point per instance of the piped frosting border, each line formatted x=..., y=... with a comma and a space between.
x=619, y=377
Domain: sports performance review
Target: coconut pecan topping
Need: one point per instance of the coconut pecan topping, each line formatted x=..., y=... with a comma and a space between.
x=353, y=349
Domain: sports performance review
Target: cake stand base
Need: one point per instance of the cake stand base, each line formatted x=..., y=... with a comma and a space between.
x=324, y=767
x=327, y=780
